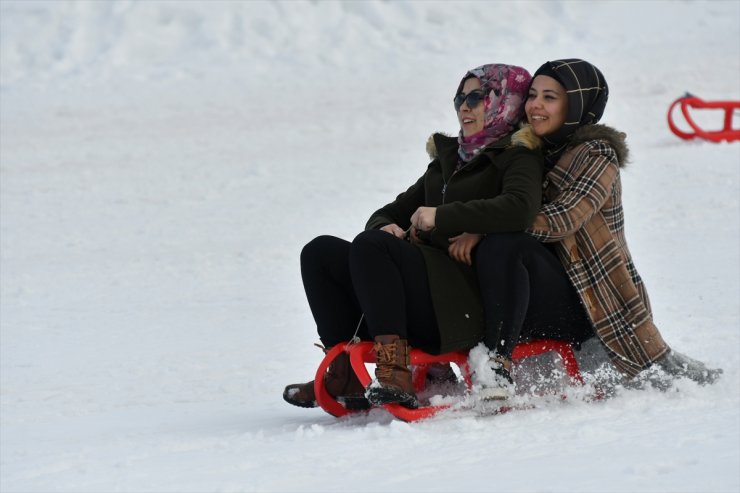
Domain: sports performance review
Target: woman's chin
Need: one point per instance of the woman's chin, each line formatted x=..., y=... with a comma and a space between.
x=468, y=134
x=539, y=131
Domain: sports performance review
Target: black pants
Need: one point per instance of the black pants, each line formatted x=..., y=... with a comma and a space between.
x=377, y=274
x=527, y=293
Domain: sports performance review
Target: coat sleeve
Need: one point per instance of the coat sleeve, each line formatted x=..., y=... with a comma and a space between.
x=400, y=210
x=595, y=168
x=512, y=210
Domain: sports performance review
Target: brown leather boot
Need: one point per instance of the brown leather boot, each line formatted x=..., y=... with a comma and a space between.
x=393, y=377
x=341, y=383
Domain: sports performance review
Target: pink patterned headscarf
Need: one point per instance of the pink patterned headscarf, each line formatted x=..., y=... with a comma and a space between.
x=505, y=88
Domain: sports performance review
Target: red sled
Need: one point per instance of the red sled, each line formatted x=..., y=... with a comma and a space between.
x=362, y=352
x=689, y=101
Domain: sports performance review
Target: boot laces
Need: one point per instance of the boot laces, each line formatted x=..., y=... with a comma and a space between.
x=386, y=357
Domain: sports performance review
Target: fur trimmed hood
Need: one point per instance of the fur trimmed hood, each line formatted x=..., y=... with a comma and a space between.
x=522, y=137
x=615, y=138
x=526, y=138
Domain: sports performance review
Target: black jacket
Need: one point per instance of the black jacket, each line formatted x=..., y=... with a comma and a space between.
x=499, y=190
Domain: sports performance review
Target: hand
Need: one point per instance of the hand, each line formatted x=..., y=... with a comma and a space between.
x=413, y=236
x=394, y=229
x=424, y=217
x=461, y=247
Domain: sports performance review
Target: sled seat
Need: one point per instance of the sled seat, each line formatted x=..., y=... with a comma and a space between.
x=362, y=353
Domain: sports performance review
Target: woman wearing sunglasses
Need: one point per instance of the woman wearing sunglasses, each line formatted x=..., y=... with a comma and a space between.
x=571, y=276
x=407, y=279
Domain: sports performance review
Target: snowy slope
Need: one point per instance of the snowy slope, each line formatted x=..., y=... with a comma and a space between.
x=162, y=164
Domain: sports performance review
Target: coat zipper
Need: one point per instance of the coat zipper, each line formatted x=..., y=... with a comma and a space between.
x=446, y=182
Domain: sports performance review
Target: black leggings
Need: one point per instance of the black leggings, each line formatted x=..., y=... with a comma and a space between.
x=377, y=274
x=527, y=293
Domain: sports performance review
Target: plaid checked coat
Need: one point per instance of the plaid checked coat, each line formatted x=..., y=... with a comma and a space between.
x=582, y=214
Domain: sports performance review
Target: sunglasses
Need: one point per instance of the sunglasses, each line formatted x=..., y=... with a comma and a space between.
x=473, y=99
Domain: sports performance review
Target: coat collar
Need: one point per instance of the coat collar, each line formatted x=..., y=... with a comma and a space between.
x=439, y=144
x=615, y=138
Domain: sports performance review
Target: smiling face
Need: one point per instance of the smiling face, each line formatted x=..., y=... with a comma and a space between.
x=472, y=120
x=546, y=106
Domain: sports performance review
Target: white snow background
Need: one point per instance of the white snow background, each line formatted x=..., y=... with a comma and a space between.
x=163, y=163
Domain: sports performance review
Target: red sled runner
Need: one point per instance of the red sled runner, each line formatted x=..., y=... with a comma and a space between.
x=692, y=102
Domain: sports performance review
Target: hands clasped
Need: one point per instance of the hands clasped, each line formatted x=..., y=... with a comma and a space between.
x=461, y=246
x=421, y=220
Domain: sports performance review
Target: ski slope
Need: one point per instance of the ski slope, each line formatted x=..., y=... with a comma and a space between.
x=162, y=164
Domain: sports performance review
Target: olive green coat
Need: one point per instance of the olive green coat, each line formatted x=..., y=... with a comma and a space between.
x=500, y=190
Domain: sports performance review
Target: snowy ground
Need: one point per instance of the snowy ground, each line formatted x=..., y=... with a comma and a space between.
x=163, y=163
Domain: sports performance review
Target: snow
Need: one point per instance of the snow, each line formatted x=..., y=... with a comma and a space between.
x=163, y=163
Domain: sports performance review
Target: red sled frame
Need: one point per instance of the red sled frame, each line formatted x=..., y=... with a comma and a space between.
x=689, y=101
x=362, y=353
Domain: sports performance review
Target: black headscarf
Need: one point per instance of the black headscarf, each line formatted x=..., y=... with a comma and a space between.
x=587, y=95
